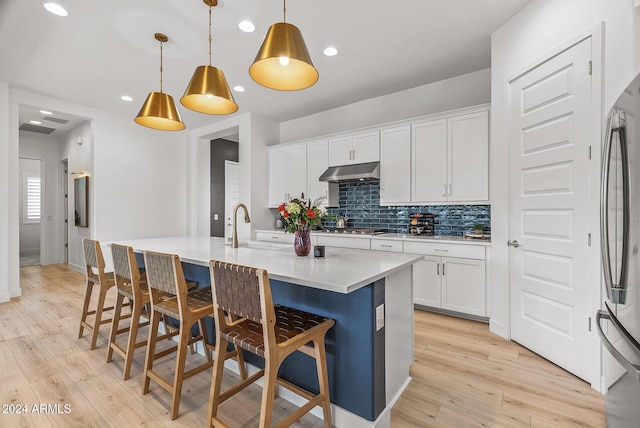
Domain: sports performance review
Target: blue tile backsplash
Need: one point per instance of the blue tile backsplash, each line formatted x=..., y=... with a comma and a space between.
x=361, y=204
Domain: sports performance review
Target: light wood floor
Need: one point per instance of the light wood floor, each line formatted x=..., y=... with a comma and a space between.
x=463, y=375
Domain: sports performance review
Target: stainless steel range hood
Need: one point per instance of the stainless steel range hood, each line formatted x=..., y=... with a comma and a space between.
x=356, y=172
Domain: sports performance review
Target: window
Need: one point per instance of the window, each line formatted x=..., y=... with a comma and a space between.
x=31, y=199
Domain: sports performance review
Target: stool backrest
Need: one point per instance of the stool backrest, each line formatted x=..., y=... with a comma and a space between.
x=92, y=254
x=125, y=267
x=237, y=289
x=242, y=292
x=164, y=273
x=93, y=259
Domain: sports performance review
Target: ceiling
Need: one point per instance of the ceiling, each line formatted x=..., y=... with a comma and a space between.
x=105, y=49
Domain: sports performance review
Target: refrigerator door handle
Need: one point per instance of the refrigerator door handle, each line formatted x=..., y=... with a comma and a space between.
x=615, y=292
x=629, y=367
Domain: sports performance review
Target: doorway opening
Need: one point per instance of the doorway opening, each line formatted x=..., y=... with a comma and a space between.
x=224, y=184
x=31, y=210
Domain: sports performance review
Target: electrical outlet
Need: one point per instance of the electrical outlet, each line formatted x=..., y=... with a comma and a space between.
x=215, y=217
x=380, y=317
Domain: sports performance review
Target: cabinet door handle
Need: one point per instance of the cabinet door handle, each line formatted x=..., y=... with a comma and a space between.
x=385, y=245
x=448, y=189
x=442, y=250
x=444, y=191
x=443, y=268
x=275, y=237
x=437, y=268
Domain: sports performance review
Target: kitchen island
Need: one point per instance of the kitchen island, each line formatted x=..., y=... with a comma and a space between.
x=368, y=294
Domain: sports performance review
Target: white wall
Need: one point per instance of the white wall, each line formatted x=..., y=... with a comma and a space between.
x=539, y=28
x=137, y=185
x=255, y=133
x=79, y=163
x=450, y=94
x=9, y=257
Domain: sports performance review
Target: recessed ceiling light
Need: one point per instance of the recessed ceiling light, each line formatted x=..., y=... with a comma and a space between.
x=238, y=88
x=56, y=9
x=46, y=112
x=126, y=98
x=35, y=122
x=331, y=51
x=247, y=26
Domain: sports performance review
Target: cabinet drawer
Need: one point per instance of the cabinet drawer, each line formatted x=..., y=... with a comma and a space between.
x=386, y=245
x=335, y=241
x=445, y=250
x=275, y=237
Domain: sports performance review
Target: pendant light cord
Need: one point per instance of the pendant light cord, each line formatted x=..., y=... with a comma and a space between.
x=209, y=35
x=284, y=10
x=160, y=66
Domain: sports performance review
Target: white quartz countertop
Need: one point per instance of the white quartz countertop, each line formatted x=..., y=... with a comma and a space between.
x=341, y=270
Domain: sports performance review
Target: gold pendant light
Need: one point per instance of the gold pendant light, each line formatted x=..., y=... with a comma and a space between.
x=159, y=111
x=283, y=61
x=208, y=91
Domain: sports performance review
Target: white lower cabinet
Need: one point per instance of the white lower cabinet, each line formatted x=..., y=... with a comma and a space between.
x=452, y=283
x=343, y=242
x=275, y=237
x=386, y=245
x=463, y=286
x=451, y=276
x=426, y=282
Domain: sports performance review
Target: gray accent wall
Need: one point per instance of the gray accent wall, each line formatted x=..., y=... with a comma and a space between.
x=221, y=151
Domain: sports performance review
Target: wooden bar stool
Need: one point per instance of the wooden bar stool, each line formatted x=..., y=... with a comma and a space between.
x=271, y=332
x=165, y=276
x=132, y=285
x=94, y=260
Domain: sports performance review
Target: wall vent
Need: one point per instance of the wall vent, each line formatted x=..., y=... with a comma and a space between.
x=36, y=128
x=55, y=120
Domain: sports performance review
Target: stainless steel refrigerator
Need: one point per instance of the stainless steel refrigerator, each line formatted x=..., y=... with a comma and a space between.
x=618, y=322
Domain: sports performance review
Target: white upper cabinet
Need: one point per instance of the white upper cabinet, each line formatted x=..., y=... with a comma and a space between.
x=395, y=157
x=468, y=140
x=450, y=159
x=355, y=148
x=439, y=159
x=287, y=172
x=429, y=161
x=317, y=163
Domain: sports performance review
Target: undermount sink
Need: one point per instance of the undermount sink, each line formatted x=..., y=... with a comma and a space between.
x=258, y=245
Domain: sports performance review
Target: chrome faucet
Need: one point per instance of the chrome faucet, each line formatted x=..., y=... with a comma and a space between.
x=234, y=240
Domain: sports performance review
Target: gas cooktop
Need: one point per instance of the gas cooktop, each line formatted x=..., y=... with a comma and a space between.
x=354, y=230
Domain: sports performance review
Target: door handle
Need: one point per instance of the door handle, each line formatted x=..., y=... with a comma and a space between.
x=633, y=369
x=615, y=292
x=514, y=243
x=437, y=268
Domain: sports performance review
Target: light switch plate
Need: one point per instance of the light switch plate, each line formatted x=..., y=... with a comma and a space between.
x=380, y=317
x=215, y=216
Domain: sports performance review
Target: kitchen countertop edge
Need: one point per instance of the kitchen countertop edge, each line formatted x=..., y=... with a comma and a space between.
x=394, y=237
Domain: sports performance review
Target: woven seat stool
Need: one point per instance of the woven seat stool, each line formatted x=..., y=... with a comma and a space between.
x=131, y=284
x=165, y=276
x=96, y=276
x=243, y=294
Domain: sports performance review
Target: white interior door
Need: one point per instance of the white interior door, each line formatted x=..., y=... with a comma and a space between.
x=231, y=194
x=549, y=208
